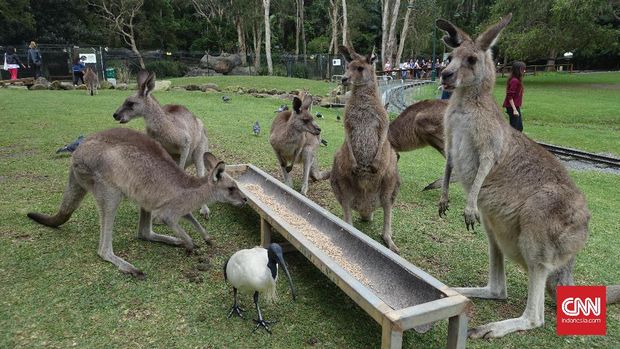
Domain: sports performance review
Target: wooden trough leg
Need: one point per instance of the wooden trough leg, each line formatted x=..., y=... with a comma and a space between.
x=265, y=232
x=457, y=331
x=392, y=337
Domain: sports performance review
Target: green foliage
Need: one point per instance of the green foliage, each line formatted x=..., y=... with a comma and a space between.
x=300, y=70
x=318, y=44
x=166, y=68
x=17, y=24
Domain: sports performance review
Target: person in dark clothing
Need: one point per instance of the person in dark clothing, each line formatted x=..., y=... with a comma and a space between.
x=34, y=59
x=514, y=95
x=12, y=62
x=78, y=74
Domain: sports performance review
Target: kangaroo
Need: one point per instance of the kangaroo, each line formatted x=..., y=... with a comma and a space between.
x=530, y=208
x=179, y=131
x=123, y=162
x=92, y=81
x=364, y=174
x=418, y=126
x=294, y=137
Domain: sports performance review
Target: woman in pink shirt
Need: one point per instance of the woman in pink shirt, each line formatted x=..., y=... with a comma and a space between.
x=514, y=95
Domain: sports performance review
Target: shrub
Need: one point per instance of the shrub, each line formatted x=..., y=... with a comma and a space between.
x=165, y=68
x=300, y=70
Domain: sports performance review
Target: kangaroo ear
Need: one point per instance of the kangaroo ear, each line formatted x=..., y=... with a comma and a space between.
x=143, y=75
x=296, y=104
x=490, y=36
x=455, y=35
x=150, y=84
x=348, y=53
x=307, y=102
x=210, y=161
x=216, y=173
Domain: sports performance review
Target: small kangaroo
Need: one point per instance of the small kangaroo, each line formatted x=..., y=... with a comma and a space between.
x=294, y=137
x=364, y=173
x=123, y=162
x=530, y=208
x=179, y=131
x=92, y=81
x=418, y=126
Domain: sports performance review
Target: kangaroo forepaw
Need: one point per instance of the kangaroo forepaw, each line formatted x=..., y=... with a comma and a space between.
x=136, y=273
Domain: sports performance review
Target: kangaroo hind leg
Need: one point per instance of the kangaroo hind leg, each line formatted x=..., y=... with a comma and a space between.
x=108, y=198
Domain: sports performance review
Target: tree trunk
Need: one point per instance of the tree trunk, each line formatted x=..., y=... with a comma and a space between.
x=391, y=44
x=134, y=48
x=297, y=27
x=403, y=33
x=551, y=60
x=257, y=36
x=303, y=30
x=268, y=37
x=243, y=50
x=345, y=24
x=333, y=43
x=385, y=24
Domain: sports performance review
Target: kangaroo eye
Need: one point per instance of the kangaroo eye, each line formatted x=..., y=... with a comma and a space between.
x=231, y=189
x=471, y=60
x=129, y=104
x=360, y=69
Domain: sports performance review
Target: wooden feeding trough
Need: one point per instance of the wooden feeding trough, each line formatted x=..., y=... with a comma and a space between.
x=394, y=292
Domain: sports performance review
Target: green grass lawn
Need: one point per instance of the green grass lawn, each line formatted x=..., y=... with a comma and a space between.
x=56, y=291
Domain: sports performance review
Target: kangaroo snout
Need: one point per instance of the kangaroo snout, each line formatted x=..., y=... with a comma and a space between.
x=345, y=80
x=116, y=116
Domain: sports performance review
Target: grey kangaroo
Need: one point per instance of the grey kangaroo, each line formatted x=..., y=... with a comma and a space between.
x=122, y=162
x=92, y=81
x=529, y=207
x=294, y=137
x=418, y=126
x=179, y=131
x=364, y=173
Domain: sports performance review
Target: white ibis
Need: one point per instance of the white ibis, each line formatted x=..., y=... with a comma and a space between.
x=256, y=270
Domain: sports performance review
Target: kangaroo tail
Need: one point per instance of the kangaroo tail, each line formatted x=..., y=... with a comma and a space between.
x=434, y=185
x=613, y=294
x=71, y=200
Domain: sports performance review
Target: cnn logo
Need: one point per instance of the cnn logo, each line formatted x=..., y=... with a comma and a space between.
x=577, y=306
x=581, y=310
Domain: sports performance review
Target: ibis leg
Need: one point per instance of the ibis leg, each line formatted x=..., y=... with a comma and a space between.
x=260, y=322
x=235, y=309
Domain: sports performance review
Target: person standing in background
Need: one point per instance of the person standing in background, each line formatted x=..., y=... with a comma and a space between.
x=78, y=71
x=514, y=95
x=12, y=62
x=34, y=59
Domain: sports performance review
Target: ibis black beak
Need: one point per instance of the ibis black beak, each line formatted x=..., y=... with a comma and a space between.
x=277, y=250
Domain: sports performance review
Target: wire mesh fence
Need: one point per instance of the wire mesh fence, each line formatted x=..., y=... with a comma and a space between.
x=59, y=59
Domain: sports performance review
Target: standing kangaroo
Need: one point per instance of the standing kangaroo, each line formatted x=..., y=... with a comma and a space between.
x=418, y=126
x=179, y=131
x=294, y=137
x=530, y=208
x=92, y=81
x=122, y=162
x=364, y=172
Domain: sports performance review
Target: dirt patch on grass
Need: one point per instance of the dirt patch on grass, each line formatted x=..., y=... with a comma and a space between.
x=605, y=86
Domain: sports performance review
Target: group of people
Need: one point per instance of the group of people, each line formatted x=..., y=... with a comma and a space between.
x=12, y=63
x=414, y=69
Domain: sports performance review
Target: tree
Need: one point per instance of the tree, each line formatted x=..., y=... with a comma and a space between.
x=333, y=44
x=345, y=24
x=403, y=33
x=17, y=23
x=120, y=15
x=267, y=37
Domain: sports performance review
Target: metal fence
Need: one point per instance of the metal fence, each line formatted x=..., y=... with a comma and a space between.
x=58, y=61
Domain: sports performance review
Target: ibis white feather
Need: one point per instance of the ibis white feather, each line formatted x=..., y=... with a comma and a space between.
x=247, y=271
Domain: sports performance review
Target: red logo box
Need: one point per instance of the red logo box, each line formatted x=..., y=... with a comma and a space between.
x=581, y=310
